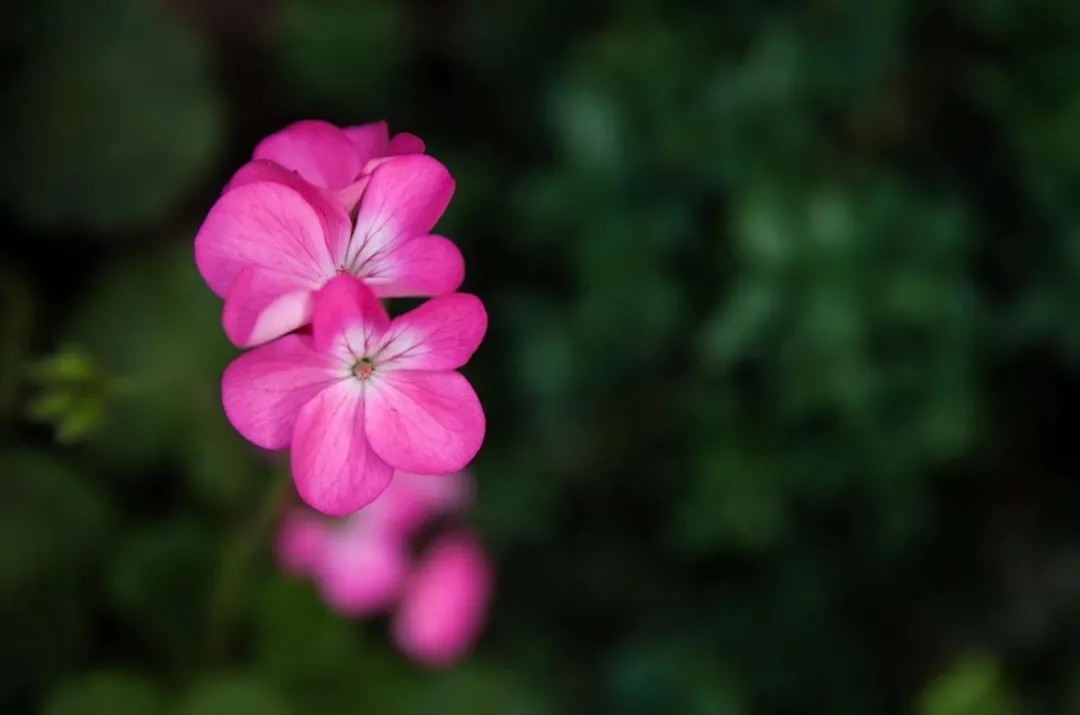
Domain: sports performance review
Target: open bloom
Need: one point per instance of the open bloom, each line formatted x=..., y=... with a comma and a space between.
x=363, y=395
x=273, y=239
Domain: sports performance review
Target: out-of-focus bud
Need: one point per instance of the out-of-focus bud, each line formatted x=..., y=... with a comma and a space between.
x=445, y=603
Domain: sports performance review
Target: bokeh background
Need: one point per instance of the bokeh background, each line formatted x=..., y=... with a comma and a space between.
x=782, y=358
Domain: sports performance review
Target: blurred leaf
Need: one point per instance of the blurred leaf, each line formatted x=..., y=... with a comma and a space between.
x=16, y=321
x=299, y=641
x=476, y=689
x=233, y=694
x=732, y=500
x=671, y=676
x=52, y=515
x=160, y=584
x=338, y=52
x=318, y=658
x=114, y=118
x=53, y=532
x=973, y=685
x=106, y=693
x=153, y=327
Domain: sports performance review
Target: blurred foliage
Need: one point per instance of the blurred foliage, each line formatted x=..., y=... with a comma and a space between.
x=972, y=685
x=782, y=354
x=112, y=115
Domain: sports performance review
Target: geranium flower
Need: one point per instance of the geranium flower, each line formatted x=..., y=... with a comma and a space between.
x=359, y=563
x=361, y=566
x=273, y=239
x=363, y=395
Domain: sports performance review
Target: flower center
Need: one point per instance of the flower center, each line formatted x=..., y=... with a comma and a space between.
x=363, y=368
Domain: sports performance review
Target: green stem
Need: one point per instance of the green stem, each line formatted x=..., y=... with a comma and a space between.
x=236, y=567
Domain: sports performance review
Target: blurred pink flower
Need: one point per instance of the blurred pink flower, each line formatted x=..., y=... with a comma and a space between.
x=362, y=569
x=408, y=504
x=363, y=395
x=445, y=601
x=274, y=238
x=361, y=565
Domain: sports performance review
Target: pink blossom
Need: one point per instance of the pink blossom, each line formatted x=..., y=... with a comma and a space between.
x=360, y=562
x=274, y=237
x=445, y=601
x=361, y=565
x=363, y=395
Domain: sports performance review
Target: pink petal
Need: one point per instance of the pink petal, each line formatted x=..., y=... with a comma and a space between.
x=423, y=422
x=319, y=151
x=347, y=319
x=270, y=225
x=440, y=334
x=263, y=305
x=333, y=208
x=266, y=170
x=334, y=469
x=363, y=572
x=302, y=542
x=347, y=198
x=426, y=265
x=412, y=500
x=445, y=602
x=404, y=143
x=263, y=389
x=404, y=199
x=370, y=140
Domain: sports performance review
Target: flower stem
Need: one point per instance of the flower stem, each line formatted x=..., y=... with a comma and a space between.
x=236, y=565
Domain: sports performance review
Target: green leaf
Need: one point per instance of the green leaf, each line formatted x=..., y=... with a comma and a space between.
x=106, y=693
x=113, y=115
x=231, y=695
x=53, y=534
x=972, y=685
x=339, y=52
x=476, y=689
x=299, y=642
x=733, y=500
x=16, y=322
x=154, y=328
x=160, y=582
x=671, y=677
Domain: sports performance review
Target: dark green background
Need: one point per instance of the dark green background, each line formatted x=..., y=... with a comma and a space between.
x=782, y=360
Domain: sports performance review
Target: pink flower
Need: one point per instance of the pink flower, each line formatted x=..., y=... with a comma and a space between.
x=274, y=238
x=361, y=566
x=360, y=563
x=445, y=601
x=363, y=395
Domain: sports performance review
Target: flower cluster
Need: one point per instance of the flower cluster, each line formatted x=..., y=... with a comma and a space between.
x=303, y=242
x=362, y=565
